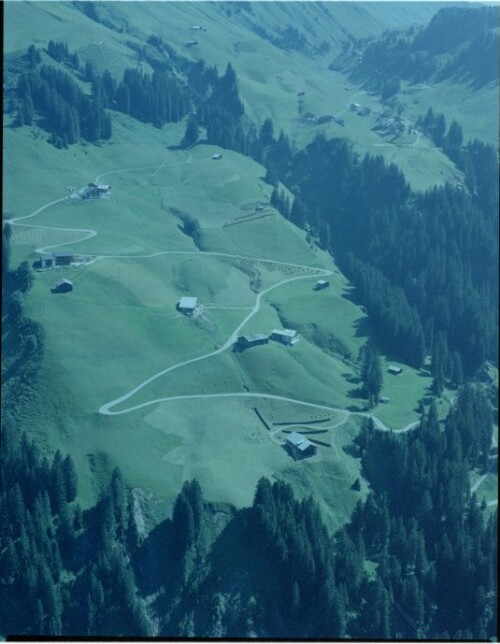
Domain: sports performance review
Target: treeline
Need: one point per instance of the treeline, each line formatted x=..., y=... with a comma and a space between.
x=70, y=115
x=370, y=373
x=157, y=98
x=457, y=41
x=292, y=539
x=64, y=571
x=289, y=38
x=26, y=337
x=433, y=543
x=270, y=570
x=470, y=34
x=60, y=52
x=219, y=108
x=414, y=258
x=477, y=160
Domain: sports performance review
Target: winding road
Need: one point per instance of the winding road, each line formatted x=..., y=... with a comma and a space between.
x=314, y=272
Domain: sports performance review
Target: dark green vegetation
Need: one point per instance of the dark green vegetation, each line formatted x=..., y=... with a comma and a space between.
x=271, y=570
x=417, y=559
x=458, y=42
x=371, y=373
x=414, y=257
x=70, y=115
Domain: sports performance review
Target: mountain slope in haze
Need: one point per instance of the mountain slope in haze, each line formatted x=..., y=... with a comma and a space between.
x=270, y=74
x=460, y=43
x=450, y=64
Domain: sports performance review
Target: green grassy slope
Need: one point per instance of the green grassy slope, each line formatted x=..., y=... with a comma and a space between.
x=269, y=77
x=457, y=100
x=119, y=326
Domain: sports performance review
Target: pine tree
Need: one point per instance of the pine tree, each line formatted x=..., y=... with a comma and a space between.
x=70, y=478
x=183, y=523
x=371, y=372
x=274, y=201
x=191, y=134
x=439, y=362
x=66, y=531
x=297, y=213
x=6, y=249
x=266, y=137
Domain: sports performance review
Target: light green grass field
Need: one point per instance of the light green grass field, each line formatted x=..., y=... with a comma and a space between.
x=119, y=326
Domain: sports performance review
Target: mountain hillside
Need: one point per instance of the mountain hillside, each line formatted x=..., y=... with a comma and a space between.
x=452, y=62
x=250, y=321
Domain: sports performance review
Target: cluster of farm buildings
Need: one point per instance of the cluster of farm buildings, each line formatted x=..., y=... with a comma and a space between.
x=93, y=191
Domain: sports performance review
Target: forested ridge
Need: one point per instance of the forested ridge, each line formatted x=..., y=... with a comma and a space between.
x=460, y=43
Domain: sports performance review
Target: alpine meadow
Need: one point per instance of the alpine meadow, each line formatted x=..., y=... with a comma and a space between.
x=250, y=320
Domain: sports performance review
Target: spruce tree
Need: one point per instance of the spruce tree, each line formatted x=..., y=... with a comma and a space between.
x=191, y=134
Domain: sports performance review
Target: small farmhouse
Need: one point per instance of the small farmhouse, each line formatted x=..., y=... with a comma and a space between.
x=47, y=260
x=385, y=399
x=187, y=305
x=63, y=286
x=395, y=370
x=64, y=259
x=285, y=336
x=252, y=340
x=50, y=260
x=95, y=191
x=215, y=157
x=354, y=107
x=321, y=284
x=300, y=446
x=191, y=43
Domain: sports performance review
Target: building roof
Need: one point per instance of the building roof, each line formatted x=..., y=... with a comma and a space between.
x=255, y=337
x=321, y=282
x=99, y=186
x=64, y=255
x=289, y=333
x=64, y=281
x=46, y=255
x=299, y=441
x=395, y=369
x=188, y=302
